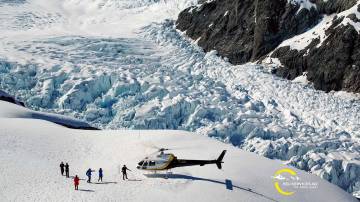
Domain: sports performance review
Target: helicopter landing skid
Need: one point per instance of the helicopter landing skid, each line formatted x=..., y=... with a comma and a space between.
x=167, y=173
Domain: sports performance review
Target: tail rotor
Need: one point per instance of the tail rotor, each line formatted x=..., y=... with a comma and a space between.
x=219, y=159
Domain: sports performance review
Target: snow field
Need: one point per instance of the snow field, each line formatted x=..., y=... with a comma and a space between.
x=34, y=151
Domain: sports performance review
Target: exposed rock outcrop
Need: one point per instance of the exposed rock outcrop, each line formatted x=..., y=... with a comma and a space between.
x=243, y=31
x=334, y=65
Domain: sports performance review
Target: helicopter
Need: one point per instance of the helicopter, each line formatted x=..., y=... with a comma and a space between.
x=166, y=161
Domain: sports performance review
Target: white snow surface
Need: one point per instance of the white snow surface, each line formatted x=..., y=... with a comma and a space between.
x=30, y=156
x=122, y=64
x=302, y=79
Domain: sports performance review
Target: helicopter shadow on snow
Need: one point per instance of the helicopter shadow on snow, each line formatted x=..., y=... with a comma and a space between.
x=134, y=180
x=228, y=183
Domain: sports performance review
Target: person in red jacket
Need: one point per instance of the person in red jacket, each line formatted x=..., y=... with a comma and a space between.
x=76, y=182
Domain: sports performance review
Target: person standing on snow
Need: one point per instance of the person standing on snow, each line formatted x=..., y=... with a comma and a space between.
x=100, y=175
x=76, y=182
x=88, y=174
x=67, y=170
x=123, y=170
x=62, y=168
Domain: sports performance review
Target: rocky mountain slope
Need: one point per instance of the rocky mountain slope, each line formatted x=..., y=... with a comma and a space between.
x=316, y=37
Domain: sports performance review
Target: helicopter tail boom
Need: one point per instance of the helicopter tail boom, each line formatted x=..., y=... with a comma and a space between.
x=220, y=158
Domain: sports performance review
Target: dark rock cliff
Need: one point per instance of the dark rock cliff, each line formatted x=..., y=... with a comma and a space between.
x=244, y=30
x=335, y=65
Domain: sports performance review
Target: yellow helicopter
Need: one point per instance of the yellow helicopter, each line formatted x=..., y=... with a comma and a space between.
x=166, y=161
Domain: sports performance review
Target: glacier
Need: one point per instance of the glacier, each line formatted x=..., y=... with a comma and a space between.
x=150, y=76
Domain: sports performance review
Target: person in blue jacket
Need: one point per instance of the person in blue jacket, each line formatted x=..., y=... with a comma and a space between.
x=88, y=174
x=100, y=174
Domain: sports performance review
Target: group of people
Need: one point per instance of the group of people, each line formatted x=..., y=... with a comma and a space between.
x=88, y=174
x=65, y=167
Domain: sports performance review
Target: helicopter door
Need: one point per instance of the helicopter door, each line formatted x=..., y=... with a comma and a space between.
x=148, y=165
x=151, y=164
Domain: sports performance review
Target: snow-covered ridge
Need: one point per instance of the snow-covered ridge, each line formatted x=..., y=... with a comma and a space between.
x=6, y=97
x=12, y=108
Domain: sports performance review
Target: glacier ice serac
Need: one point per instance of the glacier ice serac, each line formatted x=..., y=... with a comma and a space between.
x=122, y=64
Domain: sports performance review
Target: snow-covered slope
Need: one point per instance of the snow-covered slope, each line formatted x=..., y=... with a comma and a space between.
x=119, y=64
x=10, y=110
x=6, y=97
x=31, y=150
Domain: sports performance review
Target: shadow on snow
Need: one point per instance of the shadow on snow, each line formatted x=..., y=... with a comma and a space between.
x=86, y=190
x=227, y=183
x=104, y=183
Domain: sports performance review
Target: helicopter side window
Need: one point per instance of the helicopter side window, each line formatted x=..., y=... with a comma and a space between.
x=152, y=163
x=145, y=164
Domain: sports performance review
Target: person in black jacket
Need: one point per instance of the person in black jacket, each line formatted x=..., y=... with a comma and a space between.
x=123, y=170
x=67, y=170
x=62, y=168
x=100, y=174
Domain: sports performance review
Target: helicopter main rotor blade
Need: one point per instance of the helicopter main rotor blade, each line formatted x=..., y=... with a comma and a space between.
x=153, y=146
x=158, y=149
